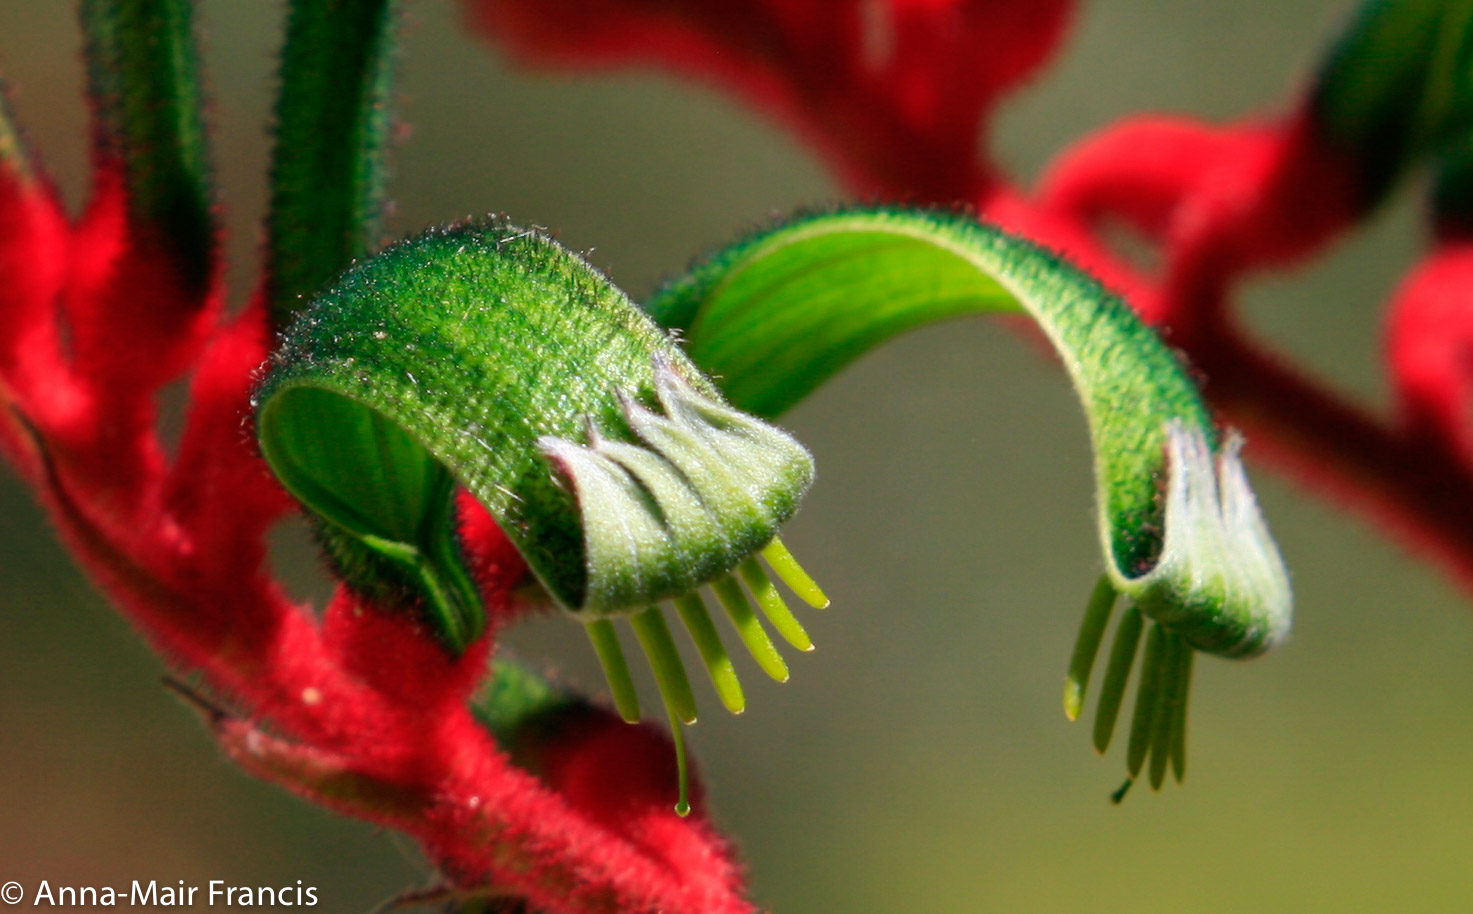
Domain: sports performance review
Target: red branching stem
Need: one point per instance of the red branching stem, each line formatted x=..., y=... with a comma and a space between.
x=363, y=711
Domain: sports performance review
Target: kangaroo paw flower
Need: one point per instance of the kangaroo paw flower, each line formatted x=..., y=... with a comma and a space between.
x=777, y=313
x=1218, y=586
x=489, y=357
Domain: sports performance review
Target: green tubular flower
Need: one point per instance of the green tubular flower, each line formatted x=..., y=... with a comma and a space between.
x=781, y=311
x=489, y=357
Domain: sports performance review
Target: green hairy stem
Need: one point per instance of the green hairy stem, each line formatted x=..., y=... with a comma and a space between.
x=333, y=125
x=143, y=80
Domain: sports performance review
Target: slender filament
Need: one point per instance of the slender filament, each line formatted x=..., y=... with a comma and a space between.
x=1179, y=742
x=616, y=668
x=680, y=704
x=1147, y=698
x=749, y=627
x=703, y=632
x=682, y=767
x=772, y=605
x=1166, y=717
x=1117, y=674
x=793, y=575
x=659, y=647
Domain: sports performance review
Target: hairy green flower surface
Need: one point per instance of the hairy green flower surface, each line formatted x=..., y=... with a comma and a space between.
x=778, y=313
x=489, y=357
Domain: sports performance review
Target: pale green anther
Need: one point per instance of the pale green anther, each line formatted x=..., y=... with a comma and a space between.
x=616, y=668
x=703, y=632
x=793, y=575
x=750, y=629
x=1147, y=701
x=772, y=606
x=1117, y=676
x=1087, y=646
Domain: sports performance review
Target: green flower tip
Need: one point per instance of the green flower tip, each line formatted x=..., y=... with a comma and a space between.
x=693, y=496
x=1218, y=586
x=489, y=357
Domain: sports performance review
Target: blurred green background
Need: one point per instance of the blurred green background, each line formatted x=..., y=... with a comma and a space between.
x=918, y=760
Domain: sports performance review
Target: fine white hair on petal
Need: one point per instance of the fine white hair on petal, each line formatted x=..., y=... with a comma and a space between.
x=1249, y=541
x=693, y=493
x=1220, y=579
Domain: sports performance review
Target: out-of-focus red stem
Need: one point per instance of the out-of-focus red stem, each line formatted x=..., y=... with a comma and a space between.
x=1410, y=485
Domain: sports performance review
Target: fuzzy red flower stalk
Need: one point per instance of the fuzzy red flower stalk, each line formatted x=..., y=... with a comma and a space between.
x=363, y=712
x=890, y=93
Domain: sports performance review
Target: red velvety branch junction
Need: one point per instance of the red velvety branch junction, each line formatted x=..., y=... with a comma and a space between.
x=360, y=711
x=895, y=96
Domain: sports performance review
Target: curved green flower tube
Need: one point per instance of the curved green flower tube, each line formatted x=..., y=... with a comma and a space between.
x=489, y=357
x=778, y=313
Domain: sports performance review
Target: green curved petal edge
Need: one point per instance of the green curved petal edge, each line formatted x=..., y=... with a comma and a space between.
x=488, y=356
x=776, y=314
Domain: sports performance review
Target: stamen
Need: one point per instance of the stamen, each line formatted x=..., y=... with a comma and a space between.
x=1179, y=743
x=729, y=592
x=616, y=668
x=772, y=605
x=1087, y=646
x=1117, y=674
x=1147, y=698
x=1166, y=716
x=697, y=620
x=680, y=704
x=659, y=647
x=793, y=575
